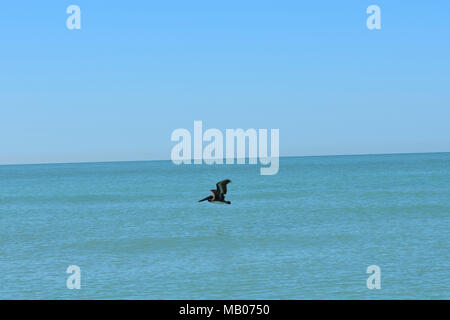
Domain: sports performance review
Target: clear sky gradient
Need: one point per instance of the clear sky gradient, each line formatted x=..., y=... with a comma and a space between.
x=137, y=70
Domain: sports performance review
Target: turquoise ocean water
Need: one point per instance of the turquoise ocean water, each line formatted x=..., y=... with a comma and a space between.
x=137, y=232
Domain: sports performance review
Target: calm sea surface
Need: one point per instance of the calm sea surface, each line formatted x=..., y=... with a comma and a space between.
x=137, y=232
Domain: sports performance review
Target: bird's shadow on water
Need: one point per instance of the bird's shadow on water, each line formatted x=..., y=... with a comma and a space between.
x=221, y=231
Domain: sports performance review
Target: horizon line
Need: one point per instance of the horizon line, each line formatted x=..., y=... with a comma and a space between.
x=304, y=156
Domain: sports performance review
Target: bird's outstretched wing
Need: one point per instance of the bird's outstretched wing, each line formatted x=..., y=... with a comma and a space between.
x=222, y=186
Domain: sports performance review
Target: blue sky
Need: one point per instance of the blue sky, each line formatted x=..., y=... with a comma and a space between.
x=137, y=70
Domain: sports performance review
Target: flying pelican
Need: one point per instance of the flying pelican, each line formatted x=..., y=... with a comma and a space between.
x=218, y=195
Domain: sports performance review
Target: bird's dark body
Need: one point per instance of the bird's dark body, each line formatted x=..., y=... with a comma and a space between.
x=218, y=195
